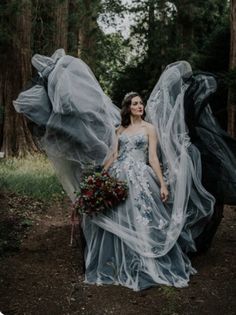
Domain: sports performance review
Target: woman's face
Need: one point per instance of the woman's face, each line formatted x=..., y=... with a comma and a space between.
x=137, y=106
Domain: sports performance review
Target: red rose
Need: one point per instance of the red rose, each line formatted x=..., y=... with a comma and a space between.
x=88, y=193
x=98, y=183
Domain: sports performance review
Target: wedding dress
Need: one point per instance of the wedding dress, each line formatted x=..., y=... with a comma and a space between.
x=142, y=242
x=128, y=245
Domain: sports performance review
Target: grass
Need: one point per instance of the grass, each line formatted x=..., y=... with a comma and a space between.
x=169, y=292
x=32, y=176
x=171, y=302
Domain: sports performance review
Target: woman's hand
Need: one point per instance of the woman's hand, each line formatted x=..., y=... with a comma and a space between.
x=164, y=193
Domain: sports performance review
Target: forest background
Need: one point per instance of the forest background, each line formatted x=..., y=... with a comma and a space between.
x=160, y=32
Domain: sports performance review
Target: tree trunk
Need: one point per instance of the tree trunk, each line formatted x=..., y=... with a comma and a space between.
x=50, y=26
x=73, y=28
x=88, y=31
x=151, y=30
x=184, y=26
x=232, y=66
x=60, y=25
x=16, y=70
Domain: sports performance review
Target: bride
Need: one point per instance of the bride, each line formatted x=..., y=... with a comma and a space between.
x=143, y=241
x=132, y=124
x=126, y=246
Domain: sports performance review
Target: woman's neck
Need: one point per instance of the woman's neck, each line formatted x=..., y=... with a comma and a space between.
x=135, y=120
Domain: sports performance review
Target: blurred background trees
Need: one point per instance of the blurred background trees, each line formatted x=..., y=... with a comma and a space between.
x=158, y=33
x=232, y=72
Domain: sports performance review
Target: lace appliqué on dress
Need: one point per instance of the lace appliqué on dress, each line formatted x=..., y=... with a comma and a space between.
x=132, y=160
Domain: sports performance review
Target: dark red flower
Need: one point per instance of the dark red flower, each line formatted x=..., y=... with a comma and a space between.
x=98, y=193
x=88, y=193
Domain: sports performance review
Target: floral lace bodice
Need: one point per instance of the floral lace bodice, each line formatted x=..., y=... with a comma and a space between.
x=134, y=147
x=132, y=165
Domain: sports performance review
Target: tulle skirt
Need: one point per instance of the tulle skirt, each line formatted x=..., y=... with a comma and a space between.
x=129, y=245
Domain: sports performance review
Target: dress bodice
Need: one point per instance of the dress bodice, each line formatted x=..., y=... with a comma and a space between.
x=133, y=147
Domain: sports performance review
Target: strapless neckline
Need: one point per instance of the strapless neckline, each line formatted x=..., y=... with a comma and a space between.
x=134, y=135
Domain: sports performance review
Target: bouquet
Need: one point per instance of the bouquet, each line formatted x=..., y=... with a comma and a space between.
x=98, y=193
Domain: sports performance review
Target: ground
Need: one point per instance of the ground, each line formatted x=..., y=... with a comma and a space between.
x=45, y=275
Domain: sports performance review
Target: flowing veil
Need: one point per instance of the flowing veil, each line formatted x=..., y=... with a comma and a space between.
x=191, y=204
x=217, y=148
x=78, y=118
x=79, y=123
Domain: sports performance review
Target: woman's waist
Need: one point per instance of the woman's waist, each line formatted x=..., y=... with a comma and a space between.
x=133, y=156
x=133, y=161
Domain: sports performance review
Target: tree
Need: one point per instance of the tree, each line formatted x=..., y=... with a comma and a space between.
x=60, y=23
x=166, y=31
x=105, y=53
x=232, y=94
x=50, y=25
x=111, y=59
x=73, y=27
x=33, y=26
x=15, y=71
x=88, y=29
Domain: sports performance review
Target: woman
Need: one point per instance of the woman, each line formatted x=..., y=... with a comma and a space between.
x=143, y=241
x=126, y=246
x=132, y=123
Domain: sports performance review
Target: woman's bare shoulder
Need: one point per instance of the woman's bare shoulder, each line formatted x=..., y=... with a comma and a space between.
x=149, y=126
x=119, y=130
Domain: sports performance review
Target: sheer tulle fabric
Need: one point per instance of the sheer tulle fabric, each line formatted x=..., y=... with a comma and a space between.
x=192, y=205
x=142, y=242
x=130, y=245
x=79, y=118
x=218, y=149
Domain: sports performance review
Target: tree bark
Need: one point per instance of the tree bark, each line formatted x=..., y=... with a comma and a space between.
x=73, y=28
x=184, y=26
x=87, y=31
x=60, y=21
x=50, y=26
x=232, y=66
x=16, y=70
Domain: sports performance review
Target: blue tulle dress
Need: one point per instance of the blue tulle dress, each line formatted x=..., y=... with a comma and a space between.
x=127, y=245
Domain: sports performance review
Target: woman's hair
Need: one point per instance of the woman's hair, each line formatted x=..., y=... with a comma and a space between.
x=125, y=108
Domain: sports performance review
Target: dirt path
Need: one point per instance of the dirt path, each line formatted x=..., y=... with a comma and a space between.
x=45, y=276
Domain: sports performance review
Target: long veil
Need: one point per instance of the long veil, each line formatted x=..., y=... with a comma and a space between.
x=79, y=122
x=217, y=148
x=78, y=118
x=191, y=204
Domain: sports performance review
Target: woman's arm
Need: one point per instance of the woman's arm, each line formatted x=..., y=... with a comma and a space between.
x=154, y=161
